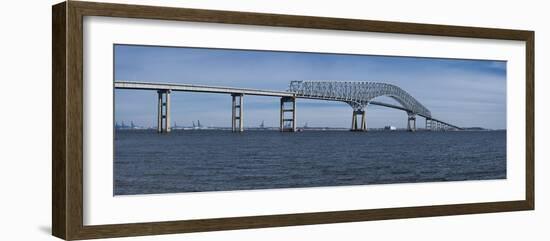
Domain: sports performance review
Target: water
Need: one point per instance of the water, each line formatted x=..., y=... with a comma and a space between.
x=210, y=160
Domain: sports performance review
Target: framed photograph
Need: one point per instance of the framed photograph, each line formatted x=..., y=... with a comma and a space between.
x=170, y=120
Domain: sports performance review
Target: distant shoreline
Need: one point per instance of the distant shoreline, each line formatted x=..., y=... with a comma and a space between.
x=298, y=129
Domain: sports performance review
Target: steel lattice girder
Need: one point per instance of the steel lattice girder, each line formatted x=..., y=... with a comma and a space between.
x=357, y=93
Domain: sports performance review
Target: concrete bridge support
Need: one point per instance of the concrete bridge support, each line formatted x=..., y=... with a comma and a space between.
x=163, y=116
x=288, y=114
x=237, y=121
x=434, y=125
x=359, y=124
x=411, y=122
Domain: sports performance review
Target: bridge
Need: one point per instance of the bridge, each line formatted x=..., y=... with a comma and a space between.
x=357, y=94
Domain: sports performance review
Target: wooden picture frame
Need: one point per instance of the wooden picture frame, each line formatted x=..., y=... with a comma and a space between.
x=67, y=124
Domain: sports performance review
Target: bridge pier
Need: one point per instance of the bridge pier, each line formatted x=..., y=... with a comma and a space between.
x=428, y=124
x=411, y=119
x=163, y=111
x=288, y=123
x=237, y=121
x=435, y=125
x=357, y=125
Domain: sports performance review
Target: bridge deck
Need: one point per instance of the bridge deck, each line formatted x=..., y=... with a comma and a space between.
x=198, y=88
x=404, y=109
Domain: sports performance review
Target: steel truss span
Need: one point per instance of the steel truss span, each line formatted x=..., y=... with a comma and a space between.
x=358, y=94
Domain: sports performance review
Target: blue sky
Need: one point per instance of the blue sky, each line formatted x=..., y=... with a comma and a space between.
x=463, y=92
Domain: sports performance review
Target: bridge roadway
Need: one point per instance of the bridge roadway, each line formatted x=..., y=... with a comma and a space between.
x=121, y=84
